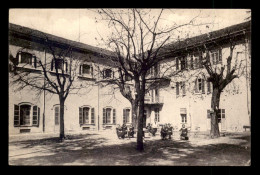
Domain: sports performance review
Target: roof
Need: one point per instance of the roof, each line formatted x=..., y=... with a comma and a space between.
x=25, y=31
x=211, y=36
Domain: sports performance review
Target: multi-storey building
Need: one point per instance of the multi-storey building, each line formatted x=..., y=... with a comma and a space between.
x=182, y=99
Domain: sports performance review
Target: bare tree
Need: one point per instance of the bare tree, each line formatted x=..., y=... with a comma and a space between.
x=222, y=75
x=55, y=74
x=137, y=40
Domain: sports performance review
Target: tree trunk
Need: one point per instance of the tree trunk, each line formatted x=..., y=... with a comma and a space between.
x=214, y=131
x=62, y=133
x=140, y=93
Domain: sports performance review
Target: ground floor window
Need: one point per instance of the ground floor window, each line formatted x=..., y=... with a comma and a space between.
x=221, y=114
x=109, y=116
x=86, y=115
x=126, y=115
x=183, y=112
x=26, y=114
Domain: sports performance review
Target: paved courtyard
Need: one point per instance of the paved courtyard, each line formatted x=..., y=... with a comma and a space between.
x=104, y=148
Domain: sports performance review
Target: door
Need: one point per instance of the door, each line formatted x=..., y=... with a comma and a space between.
x=56, y=119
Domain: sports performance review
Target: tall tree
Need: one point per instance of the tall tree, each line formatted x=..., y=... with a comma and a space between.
x=222, y=75
x=137, y=39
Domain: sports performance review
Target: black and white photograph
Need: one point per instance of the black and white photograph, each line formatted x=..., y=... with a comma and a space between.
x=129, y=87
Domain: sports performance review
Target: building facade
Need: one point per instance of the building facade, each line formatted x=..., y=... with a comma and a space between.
x=184, y=99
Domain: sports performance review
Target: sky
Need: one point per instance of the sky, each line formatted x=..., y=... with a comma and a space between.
x=80, y=24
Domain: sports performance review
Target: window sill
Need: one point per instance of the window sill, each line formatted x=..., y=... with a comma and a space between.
x=60, y=73
x=87, y=124
x=28, y=68
x=26, y=126
x=86, y=77
x=109, y=124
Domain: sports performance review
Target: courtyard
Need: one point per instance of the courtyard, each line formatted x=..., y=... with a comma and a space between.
x=104, y=148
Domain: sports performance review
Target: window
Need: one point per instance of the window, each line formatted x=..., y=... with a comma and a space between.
x=221, y=114
x=108, y=73
x=184, y=118
x=216, y=57
x=196, y=62
x=183, y=63
x=26, y=115
x=157, y=115
x=199, y=86
x=183, y=112
x=107, y=116
x=86, y=70
x=191, y=62
x=180, y=85
x=208, y=114
x=126, y=115
x=59, y=64
x=25, y=58
x=86, y=115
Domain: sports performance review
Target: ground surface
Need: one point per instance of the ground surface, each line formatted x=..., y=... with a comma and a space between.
x=104, y=148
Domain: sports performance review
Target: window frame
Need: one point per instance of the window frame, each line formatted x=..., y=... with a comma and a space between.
x=157, y=115
x=91, y=70
x=32, y=114
x=33, y=60
x=200, y=85
x=105, y=117
x=91, y=115
x=104, y=73
x=64, y=65
x=126, y=119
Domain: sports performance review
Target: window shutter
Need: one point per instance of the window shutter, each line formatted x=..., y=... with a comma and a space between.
x=35, y=116
x=223, y=113
x=114, y=116
x=91, y=69
x=208, y=113
x=80, y=68
x=92, y=115
x=202, y=86
x=34, y=61
x=220, y=55
x=124, y=115
x=104, y=115
x=191, y=62
x=66, y=66
x=196, y=86
x=52, y=62
x=16, y=115
x=177, y=88
x=80, y=115
x=209, y=88
x=183, y=88
x=177, y=63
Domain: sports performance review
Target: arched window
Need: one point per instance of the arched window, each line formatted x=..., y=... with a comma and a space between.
x=26, y=114
x=86, y=115
x=109, y=115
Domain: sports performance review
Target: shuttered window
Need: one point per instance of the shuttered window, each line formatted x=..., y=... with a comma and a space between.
x=104, y=116
x=23, y=114
x=177, y=63
x=126, y=115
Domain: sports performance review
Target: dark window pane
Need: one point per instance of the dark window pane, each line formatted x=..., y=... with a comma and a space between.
x=86, y=69
x=26, y=58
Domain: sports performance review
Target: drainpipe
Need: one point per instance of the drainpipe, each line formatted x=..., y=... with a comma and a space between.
x=98, y=99
x=43, y=117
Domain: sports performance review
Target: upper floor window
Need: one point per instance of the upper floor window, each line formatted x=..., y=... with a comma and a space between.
x=59, y=64
x=183, y=63
x=180, y=87
x=86, y=70
x=25, y=58
x=108, y=73
x=26, y=114
x=199, y=86
x=216, y=57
